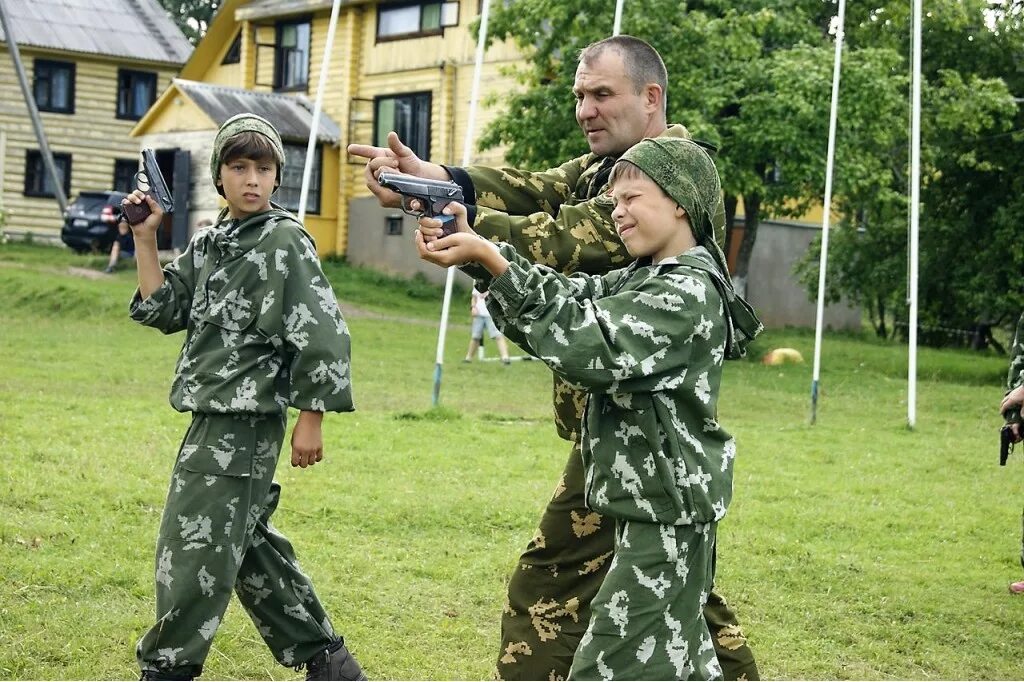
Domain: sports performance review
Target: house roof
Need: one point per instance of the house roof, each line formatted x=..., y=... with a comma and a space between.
x=264, y=9
x=136, y=29
x=292, y=115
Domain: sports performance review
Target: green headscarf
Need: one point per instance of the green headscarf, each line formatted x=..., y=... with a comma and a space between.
x=242, y=123
x=688, y=175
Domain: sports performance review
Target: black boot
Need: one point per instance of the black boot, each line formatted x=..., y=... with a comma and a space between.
x=334, y=663
x=175, y=674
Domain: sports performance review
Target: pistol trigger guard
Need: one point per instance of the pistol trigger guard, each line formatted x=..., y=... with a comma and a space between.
x=408, y=211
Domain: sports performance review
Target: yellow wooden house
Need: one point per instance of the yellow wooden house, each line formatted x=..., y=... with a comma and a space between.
x=91, y=85
x=404, y=66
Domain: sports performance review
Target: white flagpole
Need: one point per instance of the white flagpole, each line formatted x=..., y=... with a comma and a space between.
x=315, y=123
x=827, y=208
x=617, y=28
x=467, y=150
x=915, y=198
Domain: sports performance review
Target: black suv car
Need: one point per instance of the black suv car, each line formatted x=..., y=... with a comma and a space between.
x=90, y=223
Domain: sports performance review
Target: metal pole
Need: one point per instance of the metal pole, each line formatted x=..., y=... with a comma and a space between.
x=33, y=112
x=467, y=149
x=915, y=199
x=315, y=123
x=827, y=208
x=617, y=27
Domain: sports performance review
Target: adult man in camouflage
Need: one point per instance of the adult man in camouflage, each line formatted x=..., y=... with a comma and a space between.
x=562, y=218
x=1010, y=408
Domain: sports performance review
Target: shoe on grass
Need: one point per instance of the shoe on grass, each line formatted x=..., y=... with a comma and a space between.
x=334, y=663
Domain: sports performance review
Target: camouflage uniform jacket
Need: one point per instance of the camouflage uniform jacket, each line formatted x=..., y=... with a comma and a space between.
x=561, y=218
x=1015, y=377
x=647, y=343
x=262, y=327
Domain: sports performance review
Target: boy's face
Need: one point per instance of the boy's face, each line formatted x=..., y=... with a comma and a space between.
x=648, y=221
x=247, y=185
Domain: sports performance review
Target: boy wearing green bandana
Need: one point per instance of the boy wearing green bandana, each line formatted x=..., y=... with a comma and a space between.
x=262, y=332
x=647, y=343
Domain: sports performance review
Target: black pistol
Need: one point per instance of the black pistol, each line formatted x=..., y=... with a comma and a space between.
x=151, y=181
x=1006, y=440
x=433, y=196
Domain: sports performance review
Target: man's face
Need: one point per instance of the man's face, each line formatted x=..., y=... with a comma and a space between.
x=612, y=115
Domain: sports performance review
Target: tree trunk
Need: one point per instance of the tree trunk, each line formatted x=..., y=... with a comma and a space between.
x=880, y=331
x=730, y=222
x=751, y=221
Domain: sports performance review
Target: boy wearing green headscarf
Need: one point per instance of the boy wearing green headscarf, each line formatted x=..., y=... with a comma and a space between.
x=647, y=343
x=262, y=332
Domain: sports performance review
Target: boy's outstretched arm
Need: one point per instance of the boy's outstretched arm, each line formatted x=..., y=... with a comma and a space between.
x=151, y=276
x=307, y=439
x=465, y=246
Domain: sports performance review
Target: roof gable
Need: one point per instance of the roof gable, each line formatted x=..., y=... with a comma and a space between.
x=135, y=29
x=292, y=115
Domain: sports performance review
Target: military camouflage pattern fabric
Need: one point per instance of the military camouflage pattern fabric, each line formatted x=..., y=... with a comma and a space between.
x=561, y=218
x=647, y=622
x=263, y=328
x=552, y=588
x=647, y=343
x=1015, y=377
x=216, y=536
x=263, y=332
x=686, y=173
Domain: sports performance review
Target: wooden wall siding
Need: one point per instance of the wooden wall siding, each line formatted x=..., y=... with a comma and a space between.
x=92, y=135
x=229, y=75
x=203, y=198
x=345, y=64
x=264, y=57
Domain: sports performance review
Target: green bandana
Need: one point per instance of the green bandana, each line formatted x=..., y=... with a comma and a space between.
x=687, y=174
x=240, y=124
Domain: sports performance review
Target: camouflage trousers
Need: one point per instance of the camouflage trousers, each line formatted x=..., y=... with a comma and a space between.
x=216, y=537
x=556, y=579
x=647, y=621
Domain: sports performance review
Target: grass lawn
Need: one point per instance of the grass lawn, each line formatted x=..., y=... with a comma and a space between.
x=854, y=549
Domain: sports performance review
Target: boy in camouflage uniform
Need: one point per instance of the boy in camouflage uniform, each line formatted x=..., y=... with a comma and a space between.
x=1010, y=409
x=262, y=332
x=647, y=343
x=562, y=218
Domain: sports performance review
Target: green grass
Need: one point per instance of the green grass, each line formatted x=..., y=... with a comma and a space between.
x=855, y=549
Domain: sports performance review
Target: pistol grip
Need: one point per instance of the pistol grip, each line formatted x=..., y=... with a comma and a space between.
x=448, y=226
x=135, y=213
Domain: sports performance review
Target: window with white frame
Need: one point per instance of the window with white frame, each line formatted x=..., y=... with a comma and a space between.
x=289, y=192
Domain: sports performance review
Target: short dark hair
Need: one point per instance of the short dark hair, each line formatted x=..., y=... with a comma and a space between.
x=248, y=145
x=643, y=63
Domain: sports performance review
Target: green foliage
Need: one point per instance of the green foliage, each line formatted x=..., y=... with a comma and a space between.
x=193, y=17
x=972, y=165
x=410, y=527
x=755, y=78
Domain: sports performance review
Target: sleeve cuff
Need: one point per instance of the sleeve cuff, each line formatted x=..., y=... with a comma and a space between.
x=461, y=178
x=147, y=310
x=509, y=289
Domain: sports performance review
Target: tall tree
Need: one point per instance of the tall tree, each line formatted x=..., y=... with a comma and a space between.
x=192, y=16
x=972, y=181
x=754, y=80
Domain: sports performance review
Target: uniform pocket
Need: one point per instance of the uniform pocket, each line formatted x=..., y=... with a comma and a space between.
x=218, y=445
x=631, y=477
